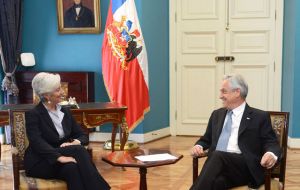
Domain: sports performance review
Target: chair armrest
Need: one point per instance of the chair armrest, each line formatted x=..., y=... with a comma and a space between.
x=16, y=168
x=195, y=165
x=205, y=154
x=268, y=178
x=269, y=175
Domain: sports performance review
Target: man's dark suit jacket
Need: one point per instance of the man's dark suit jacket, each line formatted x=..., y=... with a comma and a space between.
x=44, y=138
x=84, y=19
x=255, y=137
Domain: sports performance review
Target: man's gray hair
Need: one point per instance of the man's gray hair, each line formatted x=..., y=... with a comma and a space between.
x=43, y=83
x=236, y=81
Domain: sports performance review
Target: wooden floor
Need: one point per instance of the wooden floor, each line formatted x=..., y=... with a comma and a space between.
x=177, y=176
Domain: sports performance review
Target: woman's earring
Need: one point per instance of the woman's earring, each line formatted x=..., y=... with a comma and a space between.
x=49, y=102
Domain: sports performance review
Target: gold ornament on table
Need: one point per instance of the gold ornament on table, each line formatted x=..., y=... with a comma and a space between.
x=71, y=103
x=130, y=145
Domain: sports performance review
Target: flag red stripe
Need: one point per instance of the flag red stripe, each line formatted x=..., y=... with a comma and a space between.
x=125, y=86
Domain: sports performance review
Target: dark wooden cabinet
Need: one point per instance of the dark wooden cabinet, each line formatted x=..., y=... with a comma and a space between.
x=79, y=85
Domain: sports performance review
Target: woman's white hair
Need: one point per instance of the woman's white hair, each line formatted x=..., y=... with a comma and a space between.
x=236, y=81
x=43, y=83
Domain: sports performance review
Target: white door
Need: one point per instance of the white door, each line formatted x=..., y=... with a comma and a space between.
x=205, y=29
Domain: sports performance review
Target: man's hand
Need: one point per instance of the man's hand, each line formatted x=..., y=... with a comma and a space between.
x=66, y=159
x=268, y=160
x=197, y=151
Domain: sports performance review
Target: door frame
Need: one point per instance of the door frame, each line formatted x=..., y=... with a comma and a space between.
x=173, y=65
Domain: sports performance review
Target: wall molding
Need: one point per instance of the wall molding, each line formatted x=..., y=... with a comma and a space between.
x=2, y=138
x=293, y=142
x=139, y=138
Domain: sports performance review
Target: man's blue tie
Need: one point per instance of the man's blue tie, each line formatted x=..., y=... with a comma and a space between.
x=225, y=134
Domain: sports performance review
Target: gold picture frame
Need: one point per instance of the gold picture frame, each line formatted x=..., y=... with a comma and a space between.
x=78, y=16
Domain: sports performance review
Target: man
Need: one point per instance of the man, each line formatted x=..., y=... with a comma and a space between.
x=78, y=16
x=240, y=140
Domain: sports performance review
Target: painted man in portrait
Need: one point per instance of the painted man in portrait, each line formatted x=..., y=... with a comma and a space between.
x=78, y=16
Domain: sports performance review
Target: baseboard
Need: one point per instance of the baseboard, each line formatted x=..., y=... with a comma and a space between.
x=293, y=142
x=139, y=138
x=2, y=138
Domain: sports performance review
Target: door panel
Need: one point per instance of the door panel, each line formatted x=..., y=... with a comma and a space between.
x=254, y=75
x=195, y=106
x=199, y=42
x=244, y=29
x=251, y=41
x=194, y=9
x=200, y=38
x=250, y=9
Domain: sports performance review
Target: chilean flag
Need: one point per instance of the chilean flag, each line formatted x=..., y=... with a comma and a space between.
x=124, y=61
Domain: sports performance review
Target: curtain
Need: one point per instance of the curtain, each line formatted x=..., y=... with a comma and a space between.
x=10, y=48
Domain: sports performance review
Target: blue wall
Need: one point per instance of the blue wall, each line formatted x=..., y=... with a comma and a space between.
x=155, y=27
x=291, y=77
x=82, y=52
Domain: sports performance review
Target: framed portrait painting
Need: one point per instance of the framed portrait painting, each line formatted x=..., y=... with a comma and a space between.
x=78, y=16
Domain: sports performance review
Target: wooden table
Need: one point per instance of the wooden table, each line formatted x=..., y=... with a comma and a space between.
x=89, y=115
x=127, y=159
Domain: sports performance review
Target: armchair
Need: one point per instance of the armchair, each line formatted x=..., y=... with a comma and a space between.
x=19, y=144
x=280, y=123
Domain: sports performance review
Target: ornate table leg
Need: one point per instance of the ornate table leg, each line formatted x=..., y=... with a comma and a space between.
x=143, y=179
x=113, y=136
x=123, y=133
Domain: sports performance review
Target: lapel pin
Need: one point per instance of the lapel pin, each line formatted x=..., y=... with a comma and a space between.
x=248, y=118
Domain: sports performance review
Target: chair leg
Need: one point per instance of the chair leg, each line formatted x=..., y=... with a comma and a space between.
x=195, y=169
x=16, y=171
x=267, y=179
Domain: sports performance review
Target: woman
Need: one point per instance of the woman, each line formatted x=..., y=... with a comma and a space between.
x=55, y=140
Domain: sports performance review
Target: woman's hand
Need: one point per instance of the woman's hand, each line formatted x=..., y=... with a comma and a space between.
x=66, y=159
x=74, y=142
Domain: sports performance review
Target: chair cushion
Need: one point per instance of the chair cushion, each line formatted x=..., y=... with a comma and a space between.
x=27, y=183
x=275, y=185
